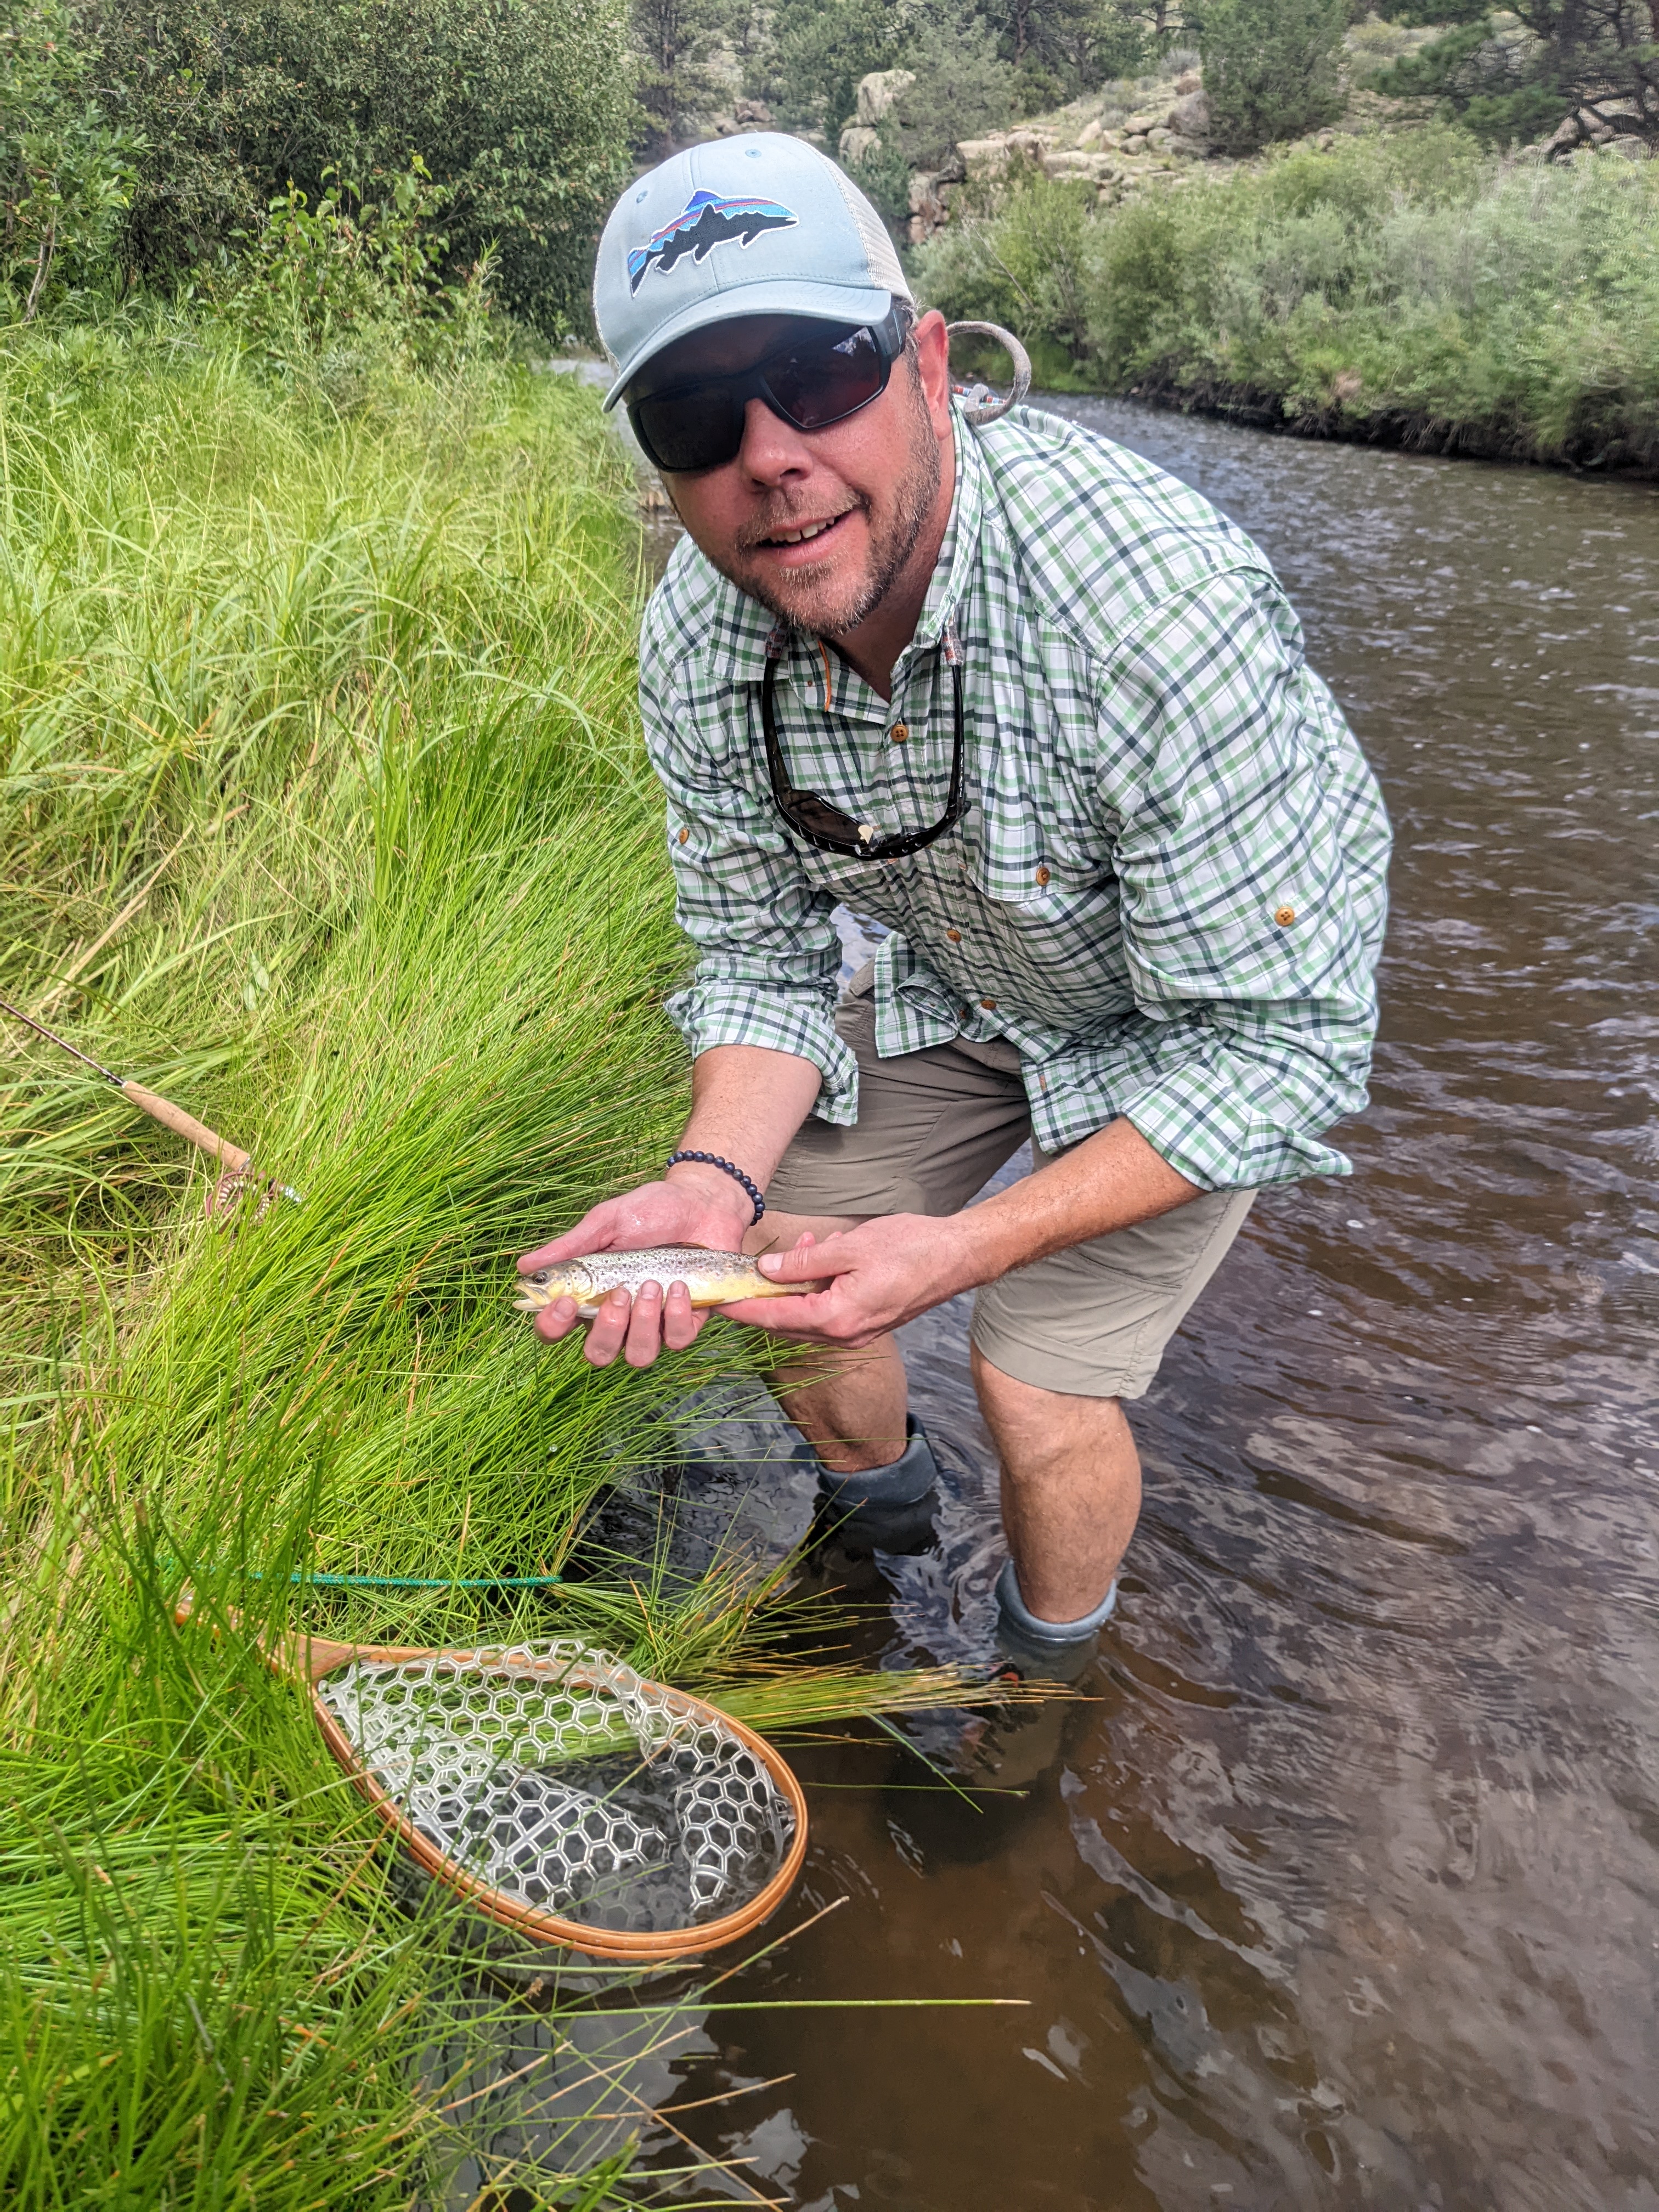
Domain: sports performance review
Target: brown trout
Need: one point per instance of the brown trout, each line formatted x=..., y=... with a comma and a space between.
x=714, y=1278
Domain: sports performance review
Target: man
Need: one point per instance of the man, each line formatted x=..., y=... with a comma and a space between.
x=1038, y=709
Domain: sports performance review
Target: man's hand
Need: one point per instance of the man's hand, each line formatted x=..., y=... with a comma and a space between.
x=886, y=1271
x=689, y=1209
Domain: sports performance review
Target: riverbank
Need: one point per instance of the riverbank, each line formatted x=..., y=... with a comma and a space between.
x=1404, y=290
x=326, y=816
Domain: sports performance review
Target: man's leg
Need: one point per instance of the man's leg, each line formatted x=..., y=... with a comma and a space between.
x=1071, y=1489
x=850, y=1406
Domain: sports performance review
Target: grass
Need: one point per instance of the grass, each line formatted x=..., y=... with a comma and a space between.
x=1409, y=289
x=324, y=814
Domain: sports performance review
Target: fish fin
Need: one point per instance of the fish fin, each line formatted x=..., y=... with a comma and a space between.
x=587, y=1313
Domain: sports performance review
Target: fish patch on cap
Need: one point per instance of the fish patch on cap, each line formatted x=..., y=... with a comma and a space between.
x=705, y=222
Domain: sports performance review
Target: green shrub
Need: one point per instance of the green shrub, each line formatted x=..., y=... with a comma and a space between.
x=336, y=285
x=520, y=109
x=63, y=171
x=1270, y=69
x=1410, y=287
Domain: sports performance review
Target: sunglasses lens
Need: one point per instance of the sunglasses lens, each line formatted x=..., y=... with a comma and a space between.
x=817, y=382
x=700, y=428
x=814, y=384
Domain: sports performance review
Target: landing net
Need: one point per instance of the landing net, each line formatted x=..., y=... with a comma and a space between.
x=555, y=1773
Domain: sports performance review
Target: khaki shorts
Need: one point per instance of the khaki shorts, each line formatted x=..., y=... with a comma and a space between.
x=934, y=1128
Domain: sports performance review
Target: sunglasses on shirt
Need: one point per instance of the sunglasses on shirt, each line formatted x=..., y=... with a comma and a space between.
x=821, y=375
x=826, y=825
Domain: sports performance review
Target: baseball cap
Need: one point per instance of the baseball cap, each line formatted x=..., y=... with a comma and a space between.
x=760, y=224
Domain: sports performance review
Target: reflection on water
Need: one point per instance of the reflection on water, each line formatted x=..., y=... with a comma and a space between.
x=1343, y=1890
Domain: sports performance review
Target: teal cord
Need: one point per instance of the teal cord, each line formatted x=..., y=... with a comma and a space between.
x=421, y=1581
x=300, y=1578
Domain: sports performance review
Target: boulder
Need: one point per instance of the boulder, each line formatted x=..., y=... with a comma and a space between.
x=994, y=159
x=1091, y=133
x=879, y=94
x=1137, y=144
x=1080, y=164
x=1190, y=116
x=857, y=140
x=1627, y=143
x=1188, y=83
x=1160, y=140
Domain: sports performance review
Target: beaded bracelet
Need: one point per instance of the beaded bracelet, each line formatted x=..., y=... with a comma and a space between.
x=714, y=1160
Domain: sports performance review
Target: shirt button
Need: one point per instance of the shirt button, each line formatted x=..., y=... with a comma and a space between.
x=955, y=936
x=989, y=1005
x=685, y=834
x=899, y=732
x=1043, y=875
x=1285, y=916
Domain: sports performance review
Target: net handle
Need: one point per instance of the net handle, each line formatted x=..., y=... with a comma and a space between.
x=308, y=1659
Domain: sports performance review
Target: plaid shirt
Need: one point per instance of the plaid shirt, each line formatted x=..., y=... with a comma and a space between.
x=1168, y=887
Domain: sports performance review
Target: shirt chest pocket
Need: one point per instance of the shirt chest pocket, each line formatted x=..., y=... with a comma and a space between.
x=1060, y=946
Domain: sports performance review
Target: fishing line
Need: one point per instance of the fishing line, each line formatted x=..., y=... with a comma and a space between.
x=301, y=1578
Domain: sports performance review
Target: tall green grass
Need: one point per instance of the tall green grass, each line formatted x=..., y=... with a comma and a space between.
x=324, y=812
x=1406, y=288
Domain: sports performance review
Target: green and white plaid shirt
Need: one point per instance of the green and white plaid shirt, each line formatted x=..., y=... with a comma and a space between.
x=1168, y=887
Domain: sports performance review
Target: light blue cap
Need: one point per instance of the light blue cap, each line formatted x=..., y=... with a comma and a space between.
x=762, y=224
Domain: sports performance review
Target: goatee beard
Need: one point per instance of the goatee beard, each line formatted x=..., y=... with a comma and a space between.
x=891, y=544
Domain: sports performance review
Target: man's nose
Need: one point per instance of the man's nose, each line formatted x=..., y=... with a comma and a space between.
x=772, y=449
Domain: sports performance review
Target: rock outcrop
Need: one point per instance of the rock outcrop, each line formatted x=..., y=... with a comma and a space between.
x=878, y=95
x=1612, y=125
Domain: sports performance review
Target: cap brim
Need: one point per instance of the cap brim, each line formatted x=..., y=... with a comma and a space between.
x=824, y=303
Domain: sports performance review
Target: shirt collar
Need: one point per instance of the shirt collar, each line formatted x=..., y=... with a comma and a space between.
x=739, y=627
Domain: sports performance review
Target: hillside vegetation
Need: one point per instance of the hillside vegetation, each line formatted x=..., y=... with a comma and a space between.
x=1409, y=288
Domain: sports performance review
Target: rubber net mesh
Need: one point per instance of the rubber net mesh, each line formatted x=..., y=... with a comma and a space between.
x=556, y=1774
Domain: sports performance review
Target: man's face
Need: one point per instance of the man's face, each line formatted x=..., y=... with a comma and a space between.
x=818, y=525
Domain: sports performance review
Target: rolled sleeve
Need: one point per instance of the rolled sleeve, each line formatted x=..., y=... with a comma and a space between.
x=1251, y=912
x=768, y=956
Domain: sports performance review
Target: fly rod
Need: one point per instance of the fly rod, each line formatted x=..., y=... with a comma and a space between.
x=235, y=1166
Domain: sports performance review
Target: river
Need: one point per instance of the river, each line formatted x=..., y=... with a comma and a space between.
x=1342, y=1889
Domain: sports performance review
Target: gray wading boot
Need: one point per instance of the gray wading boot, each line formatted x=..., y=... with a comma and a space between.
x=882, y=1509
x=1009, y=1747
x=1047, y=1650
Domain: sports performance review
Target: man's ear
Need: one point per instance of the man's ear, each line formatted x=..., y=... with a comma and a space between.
x=934, y=367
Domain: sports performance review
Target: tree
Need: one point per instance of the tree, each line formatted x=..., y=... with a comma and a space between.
x=521, y=110
x=64, y=170
x=810, y=78
x=673, y=39
x=1270, y=69
x=1599, y=55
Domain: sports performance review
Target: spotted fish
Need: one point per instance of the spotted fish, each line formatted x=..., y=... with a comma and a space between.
x=714, y=1278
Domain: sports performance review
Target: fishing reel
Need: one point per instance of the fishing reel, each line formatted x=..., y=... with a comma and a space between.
x=980, y=403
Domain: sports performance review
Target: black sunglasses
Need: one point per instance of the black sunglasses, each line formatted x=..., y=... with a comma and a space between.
x=821, y=376
x=826, y=826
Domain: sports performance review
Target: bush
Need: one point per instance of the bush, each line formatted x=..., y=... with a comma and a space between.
x=1270, y=69
x=520, y=108
x=327, y=292
x=64, y=172
x=1408, y=288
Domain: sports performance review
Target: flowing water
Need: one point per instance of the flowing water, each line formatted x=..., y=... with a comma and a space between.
x=1342, y=1889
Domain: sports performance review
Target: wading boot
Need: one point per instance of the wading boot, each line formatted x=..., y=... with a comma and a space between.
x=1047, y=1650
x=881, y=1508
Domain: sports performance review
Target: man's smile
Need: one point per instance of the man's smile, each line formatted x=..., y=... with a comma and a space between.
x=788, y=540
x=800, y=536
